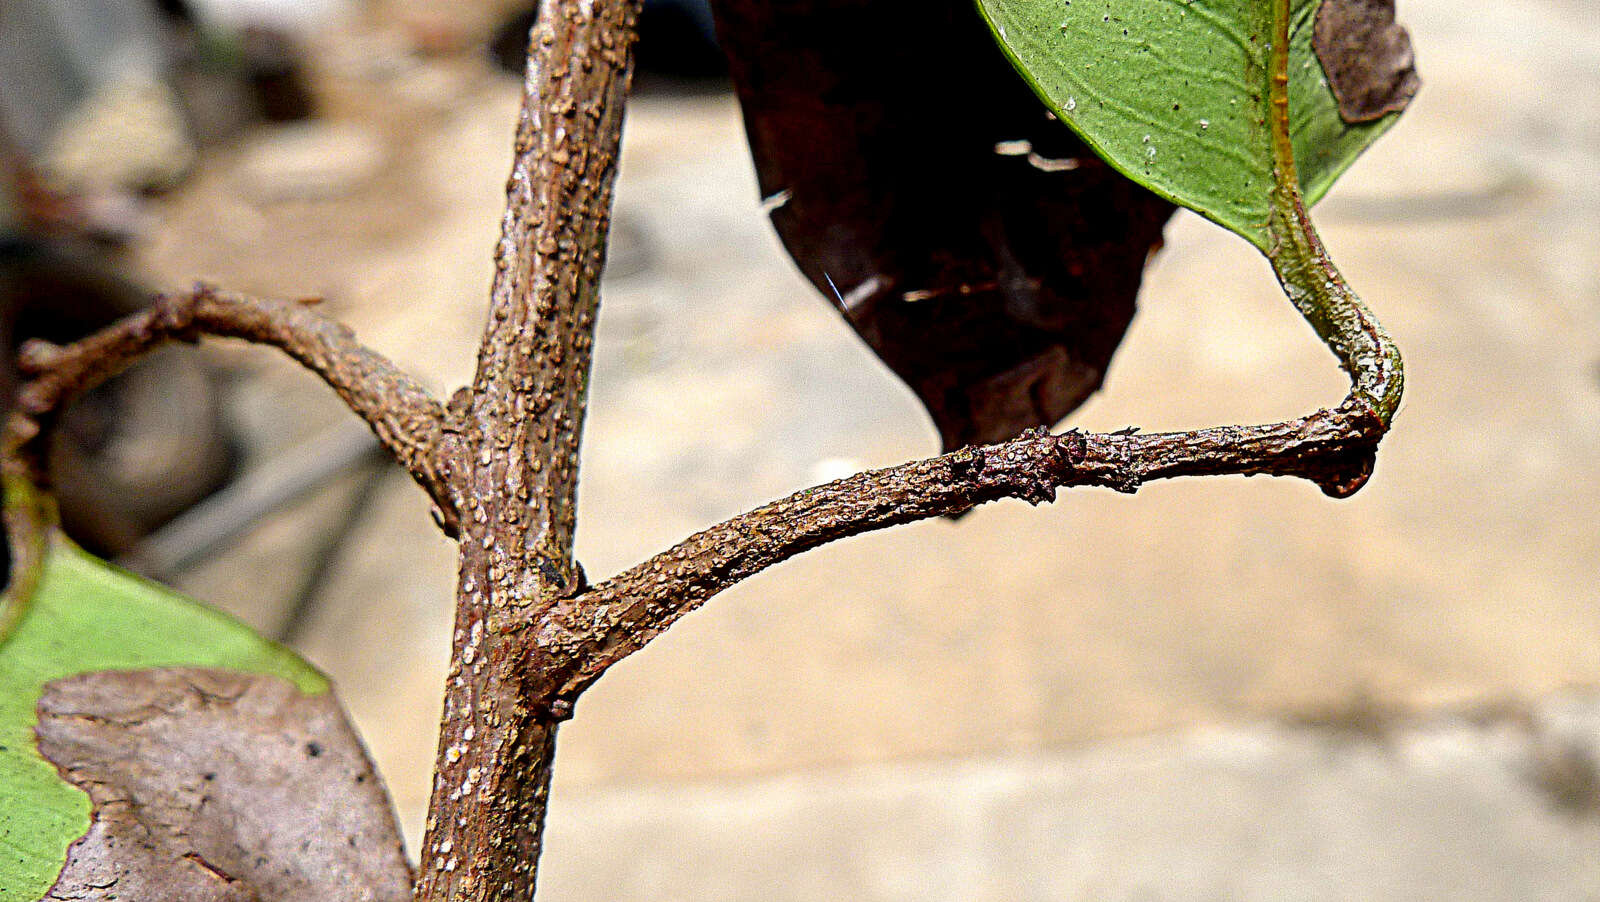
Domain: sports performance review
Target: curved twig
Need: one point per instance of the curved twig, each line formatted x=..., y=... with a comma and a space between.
x=1304, y=269
x=409, y=422
x=599, y=627
x=586, y=634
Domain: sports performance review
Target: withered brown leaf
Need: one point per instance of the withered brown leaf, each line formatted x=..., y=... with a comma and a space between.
x=983, y=251
x=1367, y=57
x=217, y=786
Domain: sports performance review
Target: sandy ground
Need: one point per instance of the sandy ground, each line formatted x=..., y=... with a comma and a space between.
x=1466, y=574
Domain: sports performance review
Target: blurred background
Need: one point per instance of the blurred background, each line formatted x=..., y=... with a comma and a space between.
x=1218, y=689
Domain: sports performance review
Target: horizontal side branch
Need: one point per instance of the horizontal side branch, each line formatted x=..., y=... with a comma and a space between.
x=599, y=627
x=409, y=422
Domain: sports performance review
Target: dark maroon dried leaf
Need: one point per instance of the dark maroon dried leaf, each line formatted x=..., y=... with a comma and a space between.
x=217, y=786
x=986, y=254
x=1367, y=57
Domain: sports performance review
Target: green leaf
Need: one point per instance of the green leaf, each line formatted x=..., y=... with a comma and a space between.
x=83, y=615
x=1177, y=95
x=1225, y=106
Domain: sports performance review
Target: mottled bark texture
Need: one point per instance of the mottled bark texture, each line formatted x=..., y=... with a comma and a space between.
x=402, y=414
x=518, y=453
x=1333, y=448
x=501, y=461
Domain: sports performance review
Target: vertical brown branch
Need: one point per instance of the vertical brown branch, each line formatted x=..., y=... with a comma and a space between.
x=520, y=430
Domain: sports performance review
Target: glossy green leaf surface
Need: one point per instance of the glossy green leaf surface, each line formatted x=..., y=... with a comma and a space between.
x=85, y=615
x=1175, y=94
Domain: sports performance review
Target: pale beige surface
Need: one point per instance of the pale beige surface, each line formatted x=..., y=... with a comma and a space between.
x=1466, y=570
x=1440, y=811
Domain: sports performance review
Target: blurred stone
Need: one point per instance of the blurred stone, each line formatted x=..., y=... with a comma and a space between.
x=75, y=57
x=433, y=85
x=293, y=16
x=372, y=56
x=129, y=134
x=309, y=161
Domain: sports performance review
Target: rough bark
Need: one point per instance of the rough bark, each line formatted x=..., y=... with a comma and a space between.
x=591, y=632
x=501, y=460
x=519, y=451
x=400, y=411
